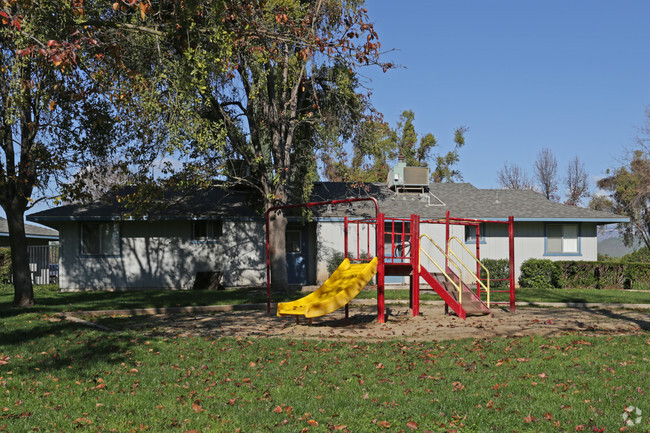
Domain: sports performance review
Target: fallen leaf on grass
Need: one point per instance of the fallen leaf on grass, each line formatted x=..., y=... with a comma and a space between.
x=412, y=424
x=529, y=419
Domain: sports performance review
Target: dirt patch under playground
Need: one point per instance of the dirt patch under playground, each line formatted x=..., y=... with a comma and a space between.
x=432, y=324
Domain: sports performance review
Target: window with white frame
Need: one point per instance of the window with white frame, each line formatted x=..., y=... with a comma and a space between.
x=562, y=239
x=100, y=239
x=205, y=231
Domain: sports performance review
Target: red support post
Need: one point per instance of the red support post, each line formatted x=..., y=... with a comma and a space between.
x=511, y=255
x=345, y=236
x=368, y=245
x=380, y=268
x=478, y=258
x=415, y=263
x=268, y=267
x=358, y=242
x=446, y=241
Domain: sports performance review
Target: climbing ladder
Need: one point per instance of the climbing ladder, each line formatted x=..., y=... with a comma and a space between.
x=449, y=284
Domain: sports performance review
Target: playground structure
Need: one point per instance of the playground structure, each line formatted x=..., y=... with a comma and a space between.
x=399, y=248
x=340, y=288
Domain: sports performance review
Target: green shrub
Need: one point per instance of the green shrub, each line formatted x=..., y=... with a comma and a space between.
x=499, y=270
x=337, y=258
x=637, y=276
x=5, y=265
x=334, y=262
x=578, y=274
x=604, y=275
x=539, y=274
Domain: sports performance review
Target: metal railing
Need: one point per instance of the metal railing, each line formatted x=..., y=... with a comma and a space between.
x=44, y=263
x=458, y=285
x=472, y=274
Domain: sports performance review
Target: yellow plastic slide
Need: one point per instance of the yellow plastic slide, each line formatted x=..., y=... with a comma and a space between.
x=339, y=289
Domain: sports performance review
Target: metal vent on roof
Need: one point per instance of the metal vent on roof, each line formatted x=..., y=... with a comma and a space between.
x=408, y=179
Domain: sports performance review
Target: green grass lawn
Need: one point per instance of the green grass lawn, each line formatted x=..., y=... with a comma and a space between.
x=61, y=376
x=537, y=295
x=57, y=376
x=48, y=299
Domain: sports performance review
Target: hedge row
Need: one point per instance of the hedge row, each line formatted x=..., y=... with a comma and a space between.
x=546, y=274
x=499, y=270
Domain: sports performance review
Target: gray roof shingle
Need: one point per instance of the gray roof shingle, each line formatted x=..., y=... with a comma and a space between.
x=460, y=199
x=30, y=230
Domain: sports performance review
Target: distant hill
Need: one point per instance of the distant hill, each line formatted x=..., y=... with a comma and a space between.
x=613, y=247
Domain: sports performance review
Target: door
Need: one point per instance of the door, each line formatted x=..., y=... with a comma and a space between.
x=296, y=244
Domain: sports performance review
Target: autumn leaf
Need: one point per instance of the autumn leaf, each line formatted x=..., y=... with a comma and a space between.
x=412, y=424
x=385, y=424
x=313, y=423
x=277, y=409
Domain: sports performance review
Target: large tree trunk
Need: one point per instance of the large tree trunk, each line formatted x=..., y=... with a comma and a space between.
x=278, y=250
x=23, y=289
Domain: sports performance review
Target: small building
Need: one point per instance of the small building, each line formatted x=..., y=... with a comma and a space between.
x=218, y=230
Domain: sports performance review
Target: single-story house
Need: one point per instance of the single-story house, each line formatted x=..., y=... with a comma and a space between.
x=218, y=230
x=36, y=235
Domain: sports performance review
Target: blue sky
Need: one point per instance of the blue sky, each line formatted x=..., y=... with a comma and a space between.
x=573, y=76
x=570, y=75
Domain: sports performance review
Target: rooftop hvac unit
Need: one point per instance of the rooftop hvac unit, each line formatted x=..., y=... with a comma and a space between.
x=403, y=178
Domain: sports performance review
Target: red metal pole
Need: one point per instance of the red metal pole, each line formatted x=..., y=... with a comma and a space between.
x=368, y=235
x=478, y=257
x=415, y=262
x=380, y=268
x=447, y=241
x=511, y=242
x=345, y=236
x=268, y=266
x=358, y=242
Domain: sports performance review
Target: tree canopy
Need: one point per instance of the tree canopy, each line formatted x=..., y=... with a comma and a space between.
x=629, y=194
x=56, y=114
x=377, y=146
x=253, y=89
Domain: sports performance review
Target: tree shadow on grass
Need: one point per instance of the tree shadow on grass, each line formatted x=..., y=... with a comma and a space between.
x=54, y=346
x=55, y=302
x=642, y=323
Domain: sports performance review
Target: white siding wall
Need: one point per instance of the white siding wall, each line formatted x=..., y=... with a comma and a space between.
x=163, y=255
x=529, y=243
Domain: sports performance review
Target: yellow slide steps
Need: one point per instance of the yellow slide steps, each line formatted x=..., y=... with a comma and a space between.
x=339, y=289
